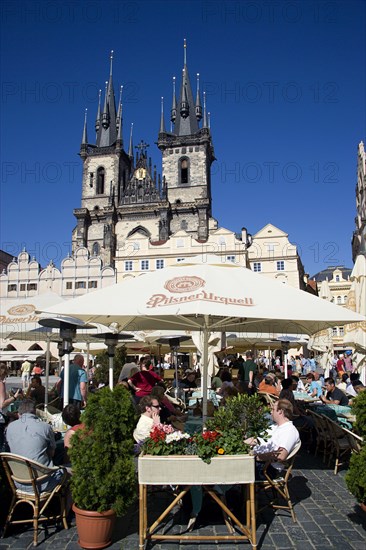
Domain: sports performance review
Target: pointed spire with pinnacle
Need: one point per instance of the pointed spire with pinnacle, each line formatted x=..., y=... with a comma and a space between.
x=198, y=100
x=162, y=123
x=119, y=120
x=107, y=128
x=84, y=139
x=173, y=114
x=186, y=122
x=204, y=124
x=105, y=115
x=130, y=149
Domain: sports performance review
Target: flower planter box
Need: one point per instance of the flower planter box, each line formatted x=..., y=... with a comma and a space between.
x=191, y=470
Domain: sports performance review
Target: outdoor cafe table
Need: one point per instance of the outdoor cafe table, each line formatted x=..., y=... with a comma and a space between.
x=187, y=471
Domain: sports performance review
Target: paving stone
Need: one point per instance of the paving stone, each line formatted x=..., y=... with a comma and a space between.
x=280, y=540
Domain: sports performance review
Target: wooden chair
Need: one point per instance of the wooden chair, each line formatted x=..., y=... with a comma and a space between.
x=21, y=470
x=323, y=435
x=269, y=397
x=279, y=486
x=343, y=443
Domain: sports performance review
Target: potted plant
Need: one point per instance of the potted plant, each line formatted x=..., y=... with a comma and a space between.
x=103, y=482
x=356, y=475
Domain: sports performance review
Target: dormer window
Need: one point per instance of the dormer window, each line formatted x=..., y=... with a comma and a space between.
x=184, y=171
x=100, y=180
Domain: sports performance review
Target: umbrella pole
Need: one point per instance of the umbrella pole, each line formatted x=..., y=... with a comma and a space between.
x=87, y=366
x=66, y=379
x=204, y=370
x=47, y=373
x=175, y=360
x=111, y=372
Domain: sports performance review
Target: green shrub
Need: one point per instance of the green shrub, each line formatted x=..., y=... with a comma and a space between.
x=359, y=410
x=103, y=472
x=356, y=475
x=244, y=413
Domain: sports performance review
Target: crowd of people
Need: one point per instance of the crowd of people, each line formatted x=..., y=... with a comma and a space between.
x=28, y=436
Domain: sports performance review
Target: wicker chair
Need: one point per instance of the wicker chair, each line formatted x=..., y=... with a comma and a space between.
x=279, y=486
x=343, y=443
x=31, y=475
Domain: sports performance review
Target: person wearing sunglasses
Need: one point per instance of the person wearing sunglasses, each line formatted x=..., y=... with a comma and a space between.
x=150, y=416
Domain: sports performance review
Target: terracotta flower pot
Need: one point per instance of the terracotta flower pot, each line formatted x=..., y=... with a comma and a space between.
x=94, y=528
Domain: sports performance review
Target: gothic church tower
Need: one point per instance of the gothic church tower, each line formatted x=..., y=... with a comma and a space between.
x=187, y=157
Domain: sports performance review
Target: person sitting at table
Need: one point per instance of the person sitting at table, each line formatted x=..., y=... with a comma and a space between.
x=270, y=384
x=283, y=437
x=350, y=390
x=334, y=395
x=189, y=383
x=314, y=386
x=36, y=391
x=71, y=416
x=227, y=381
x=342, y=385
x=298, y=384
x=150, y=416
x=30, y=437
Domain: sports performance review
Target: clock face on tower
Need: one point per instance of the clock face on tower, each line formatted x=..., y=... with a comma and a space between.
x=140, y=173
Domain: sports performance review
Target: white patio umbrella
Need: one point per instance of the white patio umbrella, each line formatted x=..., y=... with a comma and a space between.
x=206, y=297
x=20, y=314
x=355, y=333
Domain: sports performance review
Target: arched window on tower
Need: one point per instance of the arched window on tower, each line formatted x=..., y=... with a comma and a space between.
x=184, y=171
x=100, y=180
x=96, y=249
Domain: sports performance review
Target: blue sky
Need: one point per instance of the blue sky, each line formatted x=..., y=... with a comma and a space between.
x=285, y=85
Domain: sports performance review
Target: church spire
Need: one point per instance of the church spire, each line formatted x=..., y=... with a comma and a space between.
x=130, y=149
x=186, y=122
x=105, y=115
x=84, y=140
x=107, y=129
x=173, y=115
x=205, y=123
x=162, y=123
x=198, y=100
x=97, y=122
x=119, y=120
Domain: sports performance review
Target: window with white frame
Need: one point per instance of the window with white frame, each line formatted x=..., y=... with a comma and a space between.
x=93, y=284
x=280, y=265
x=180, y=243
x=159, y=264
x=69, y=285
x=341, y=331
x=257, y=267
x=339, y=299
x=230, y=258
x=334, y=331
x=128, y=265
x=144, y=265
x=337, y=278
x=344, y=299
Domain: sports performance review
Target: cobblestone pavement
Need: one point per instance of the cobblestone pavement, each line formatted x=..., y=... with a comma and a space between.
x=328, y=517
